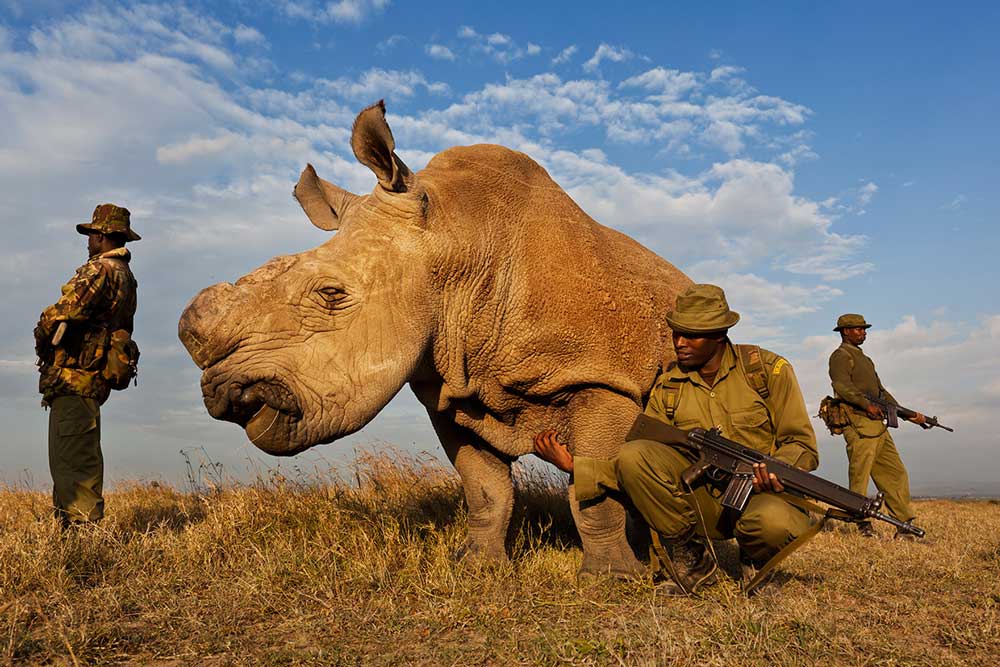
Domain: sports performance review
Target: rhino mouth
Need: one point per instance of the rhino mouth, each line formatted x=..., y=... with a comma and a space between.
x=246, y=402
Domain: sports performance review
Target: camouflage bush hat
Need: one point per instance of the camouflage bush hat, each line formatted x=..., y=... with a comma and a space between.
x=850, y=320
x=109, y=219
x=702, y=309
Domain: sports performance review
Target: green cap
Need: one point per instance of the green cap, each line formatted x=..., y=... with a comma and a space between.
x=109, y=219
x=851, y=320
x=702, y=309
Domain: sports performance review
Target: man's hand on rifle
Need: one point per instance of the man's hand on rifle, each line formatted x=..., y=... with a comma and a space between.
x=765, y=481
x=548, y=448
x=921, y=421
x=874, y=411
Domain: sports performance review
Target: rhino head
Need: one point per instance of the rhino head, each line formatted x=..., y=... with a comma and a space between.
x=310, y=347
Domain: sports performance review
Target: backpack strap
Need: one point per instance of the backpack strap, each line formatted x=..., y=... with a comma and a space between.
x=753, y=368
x=671, y=393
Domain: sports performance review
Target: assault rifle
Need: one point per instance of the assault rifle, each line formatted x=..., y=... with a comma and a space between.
x=721, y=459
x=893, y=412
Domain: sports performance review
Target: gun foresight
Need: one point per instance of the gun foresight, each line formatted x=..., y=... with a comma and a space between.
x=901, y=526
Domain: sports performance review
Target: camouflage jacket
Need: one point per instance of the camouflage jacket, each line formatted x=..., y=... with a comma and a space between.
x=98, y=300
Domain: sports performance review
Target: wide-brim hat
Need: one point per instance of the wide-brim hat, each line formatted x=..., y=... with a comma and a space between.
x=702, y=309
x=109, y=219
x=851, y=320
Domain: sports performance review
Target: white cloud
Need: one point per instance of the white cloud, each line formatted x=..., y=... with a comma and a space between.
x=725, y=72
x=194, y=148
x=390, y=42
x=955, y=203
x=669, y=83
x=498, y=39
x=673, y=110
x=565, y=55
x=439, y=52
x=340, y=11
x=244, y=34
x=853, y=201
x=378, y=83
x=607, y=52
x=866, y=193
x=797, y=154
x=498, y=46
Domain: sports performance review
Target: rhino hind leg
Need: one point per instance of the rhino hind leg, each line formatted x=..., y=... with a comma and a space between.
x=489, y=491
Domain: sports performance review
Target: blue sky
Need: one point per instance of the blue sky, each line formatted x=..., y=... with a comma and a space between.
x=812, y=160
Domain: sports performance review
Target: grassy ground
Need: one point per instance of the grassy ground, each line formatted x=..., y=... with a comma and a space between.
x=360, y=572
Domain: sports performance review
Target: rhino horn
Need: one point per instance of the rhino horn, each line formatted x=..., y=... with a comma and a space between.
x=373, y=145
x=322, y=201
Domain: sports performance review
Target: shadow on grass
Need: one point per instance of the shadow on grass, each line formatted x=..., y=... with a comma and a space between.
x=161, y=516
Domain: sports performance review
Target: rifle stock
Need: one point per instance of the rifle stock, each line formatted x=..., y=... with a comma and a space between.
x=720, y=459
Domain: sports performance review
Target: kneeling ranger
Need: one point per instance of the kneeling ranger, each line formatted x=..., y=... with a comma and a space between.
x=85, y=350
x=751, y=396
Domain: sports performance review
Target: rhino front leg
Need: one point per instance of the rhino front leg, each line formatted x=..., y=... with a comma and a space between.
x=606, y=550
x=489, y=489
x=600, y=420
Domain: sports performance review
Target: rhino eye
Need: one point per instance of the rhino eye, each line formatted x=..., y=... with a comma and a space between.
x=333, y=297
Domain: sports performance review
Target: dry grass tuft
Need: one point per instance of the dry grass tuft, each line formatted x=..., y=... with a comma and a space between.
x=359, y=570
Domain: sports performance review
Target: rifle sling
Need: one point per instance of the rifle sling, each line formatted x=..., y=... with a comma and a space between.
x=791, y=547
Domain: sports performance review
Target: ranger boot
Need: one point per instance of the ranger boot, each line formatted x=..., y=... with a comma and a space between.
x=691, y=567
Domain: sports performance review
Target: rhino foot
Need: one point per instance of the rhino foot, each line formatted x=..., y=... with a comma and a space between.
x=481, y=551
x=616, y=562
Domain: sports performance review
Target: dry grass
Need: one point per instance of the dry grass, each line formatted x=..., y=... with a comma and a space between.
x=327, y=571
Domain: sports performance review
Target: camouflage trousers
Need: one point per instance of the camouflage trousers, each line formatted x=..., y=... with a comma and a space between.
x=650, y=473
x=876, y=458
x=75, y=459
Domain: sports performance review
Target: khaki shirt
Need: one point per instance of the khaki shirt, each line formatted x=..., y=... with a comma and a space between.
x=852, y=374
x=778, y=426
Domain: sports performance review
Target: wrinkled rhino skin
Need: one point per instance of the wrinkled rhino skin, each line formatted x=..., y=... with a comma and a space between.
x=480, y=283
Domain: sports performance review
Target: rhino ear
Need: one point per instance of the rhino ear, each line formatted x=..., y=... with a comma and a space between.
x=322, y=201
x=373, y=145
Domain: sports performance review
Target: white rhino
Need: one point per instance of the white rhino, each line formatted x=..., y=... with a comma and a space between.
x=479, y=282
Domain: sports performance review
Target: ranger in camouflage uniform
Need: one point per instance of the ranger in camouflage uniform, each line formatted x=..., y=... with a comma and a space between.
x=99, y=299
x=749, y=394
x=871, y=453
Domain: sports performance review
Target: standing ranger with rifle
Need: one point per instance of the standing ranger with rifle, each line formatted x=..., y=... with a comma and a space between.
x=870, y=449
x=85, y=350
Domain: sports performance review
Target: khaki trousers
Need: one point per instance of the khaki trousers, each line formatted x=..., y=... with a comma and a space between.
x=650, y=473
x=876, y=458
x=75, y=459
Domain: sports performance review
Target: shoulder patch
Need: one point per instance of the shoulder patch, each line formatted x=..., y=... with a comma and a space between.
x=778, y=365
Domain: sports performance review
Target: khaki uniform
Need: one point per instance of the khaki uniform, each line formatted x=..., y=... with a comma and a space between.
x=99, y=299
x=650, y=472
x=871, y=453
